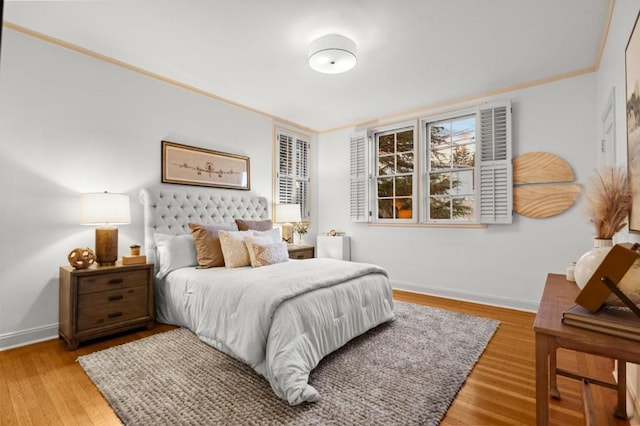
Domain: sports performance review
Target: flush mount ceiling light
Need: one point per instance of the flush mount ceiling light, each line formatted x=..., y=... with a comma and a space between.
x=332, y=54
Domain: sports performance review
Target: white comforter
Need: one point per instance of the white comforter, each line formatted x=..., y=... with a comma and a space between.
x=280, y=319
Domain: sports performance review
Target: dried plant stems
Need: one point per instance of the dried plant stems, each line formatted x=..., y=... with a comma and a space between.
x=609, y=201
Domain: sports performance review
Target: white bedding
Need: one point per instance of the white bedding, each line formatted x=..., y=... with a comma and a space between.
x=280, y=319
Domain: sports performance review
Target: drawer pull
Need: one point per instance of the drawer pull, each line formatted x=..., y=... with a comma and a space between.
x=116, y=297
x=116, y=281
x=114, y=315
x=300, y=256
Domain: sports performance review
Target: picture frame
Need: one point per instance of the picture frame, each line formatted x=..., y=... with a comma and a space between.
x=632, y=107
x=190, y=165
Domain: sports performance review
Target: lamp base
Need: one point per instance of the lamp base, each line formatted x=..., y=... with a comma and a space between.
x=287, y=233
x=106, y=245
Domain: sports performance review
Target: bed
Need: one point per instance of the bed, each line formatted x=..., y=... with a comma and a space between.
x=280, y=319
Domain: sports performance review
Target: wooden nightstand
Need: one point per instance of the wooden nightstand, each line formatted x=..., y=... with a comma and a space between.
x=100, y=301
x=301, y=252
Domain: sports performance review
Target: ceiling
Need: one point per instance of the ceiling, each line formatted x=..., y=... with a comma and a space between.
x=411, y=53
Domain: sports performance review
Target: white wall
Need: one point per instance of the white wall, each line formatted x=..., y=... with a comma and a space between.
x=70, y=124
x=502, y=264
x=611, y=75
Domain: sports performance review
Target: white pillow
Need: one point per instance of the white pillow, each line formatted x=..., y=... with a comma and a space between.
x=273, y=234
x=234, y=250
x=174, y=252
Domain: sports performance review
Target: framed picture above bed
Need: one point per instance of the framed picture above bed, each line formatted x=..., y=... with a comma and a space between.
x=189, y=165
x=632, y=70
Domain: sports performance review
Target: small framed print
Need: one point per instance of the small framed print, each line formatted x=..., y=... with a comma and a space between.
x=189, y=165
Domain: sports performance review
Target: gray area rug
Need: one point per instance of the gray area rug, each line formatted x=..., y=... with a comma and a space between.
x=404, y=372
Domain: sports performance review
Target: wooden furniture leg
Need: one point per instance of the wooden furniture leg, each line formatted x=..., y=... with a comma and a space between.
x=543, y=346
x=621, y=407
x=553, y=386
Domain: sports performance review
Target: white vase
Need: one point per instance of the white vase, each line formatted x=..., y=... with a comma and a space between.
x=589, y=262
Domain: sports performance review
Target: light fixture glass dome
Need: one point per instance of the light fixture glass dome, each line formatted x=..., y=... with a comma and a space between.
x=332, y=54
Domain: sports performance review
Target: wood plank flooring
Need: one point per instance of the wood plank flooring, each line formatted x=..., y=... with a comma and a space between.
x=42, y=384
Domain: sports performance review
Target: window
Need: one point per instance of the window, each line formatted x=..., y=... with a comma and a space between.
x=464, y=160
x=292, y=171
x=394, y=178
x=450, y=176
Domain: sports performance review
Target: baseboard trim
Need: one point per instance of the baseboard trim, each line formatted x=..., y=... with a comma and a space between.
x=27, y=337
x=503, y=302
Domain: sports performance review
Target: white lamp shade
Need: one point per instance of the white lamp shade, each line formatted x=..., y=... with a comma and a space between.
x=287, y=213
x=99, y=208
x=332, y=54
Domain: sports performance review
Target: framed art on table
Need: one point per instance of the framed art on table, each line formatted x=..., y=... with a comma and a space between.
x=189, y=165
x=632, y=100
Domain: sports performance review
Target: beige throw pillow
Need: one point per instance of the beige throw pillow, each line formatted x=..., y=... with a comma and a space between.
x=207, y=243
x=234, y=249
x=263, y=252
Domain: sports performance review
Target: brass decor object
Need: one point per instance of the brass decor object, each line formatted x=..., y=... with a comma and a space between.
x=81, y=258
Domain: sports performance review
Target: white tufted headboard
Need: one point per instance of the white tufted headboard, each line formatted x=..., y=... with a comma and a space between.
x=169, y=211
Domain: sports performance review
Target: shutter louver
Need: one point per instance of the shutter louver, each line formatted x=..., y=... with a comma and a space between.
x=496, y=186
x=302, y=178
x=358, y=203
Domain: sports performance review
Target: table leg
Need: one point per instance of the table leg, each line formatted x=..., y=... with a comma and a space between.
x=543, y=346
x=621, y=408
x=553, y=387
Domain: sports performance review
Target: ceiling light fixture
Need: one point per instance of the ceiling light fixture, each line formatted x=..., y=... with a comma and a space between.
x=332, y=54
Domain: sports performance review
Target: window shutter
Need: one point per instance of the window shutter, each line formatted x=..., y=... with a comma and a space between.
x=292, y=174
x=359, y=210
x=302, y=178
x=285, y=184
x=495, y=172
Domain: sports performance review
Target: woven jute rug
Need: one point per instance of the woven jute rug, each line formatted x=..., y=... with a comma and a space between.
x=404, y=372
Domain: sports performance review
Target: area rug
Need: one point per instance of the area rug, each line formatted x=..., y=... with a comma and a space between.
x=407, y=371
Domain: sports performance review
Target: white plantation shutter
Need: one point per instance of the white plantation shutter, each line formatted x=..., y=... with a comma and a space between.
x=359, y=203
x=495, y=172
x=292, y=174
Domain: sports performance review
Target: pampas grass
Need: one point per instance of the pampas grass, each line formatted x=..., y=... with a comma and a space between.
x=609, y=201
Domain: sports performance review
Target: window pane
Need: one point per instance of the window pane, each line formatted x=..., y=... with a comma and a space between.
x=405, y=141
x=464, y=155
x=439, y=208
x=405, y=162
x=385, y=187
x=386, y=165
x=386, y=209
x=404, y=186
x=440, y=158
x=464, y=130
x=463, y=208
x=439, y=183
x=405, y=208
x=386, y=144
x=440, y=135
x=462, y=182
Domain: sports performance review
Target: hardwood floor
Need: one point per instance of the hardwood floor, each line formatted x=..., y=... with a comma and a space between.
x=42, y=383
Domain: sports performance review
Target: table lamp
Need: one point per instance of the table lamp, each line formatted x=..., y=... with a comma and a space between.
x=105, y=210
x=285, y=214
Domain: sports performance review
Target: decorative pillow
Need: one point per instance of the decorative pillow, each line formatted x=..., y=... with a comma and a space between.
x=248, y=241
x=207, y=243
x=233, y=248
x=174, y=251
x=263, y=254
x=272, y=234
x=256, y=225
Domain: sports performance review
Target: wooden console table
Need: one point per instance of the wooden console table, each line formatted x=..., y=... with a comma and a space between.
x=559, y=295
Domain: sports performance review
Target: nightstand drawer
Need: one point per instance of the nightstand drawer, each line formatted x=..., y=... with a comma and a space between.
x=303, y=252
x=110, y=307
x=114, y=280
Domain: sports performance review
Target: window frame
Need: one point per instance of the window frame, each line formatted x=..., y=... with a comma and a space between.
x=425, y=170
x=373, y=135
